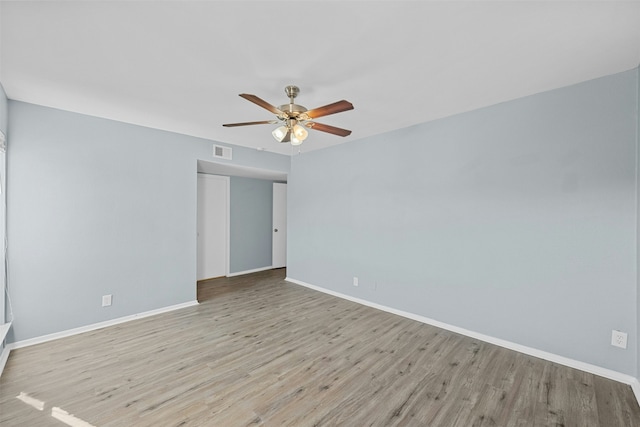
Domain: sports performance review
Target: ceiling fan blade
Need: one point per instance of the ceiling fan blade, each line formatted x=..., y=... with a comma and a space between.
x=261, y=102
x=336, y=107
x=264, y=122
x=329, y=129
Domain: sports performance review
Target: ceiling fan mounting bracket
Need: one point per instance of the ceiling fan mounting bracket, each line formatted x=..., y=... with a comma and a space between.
x=292, y=91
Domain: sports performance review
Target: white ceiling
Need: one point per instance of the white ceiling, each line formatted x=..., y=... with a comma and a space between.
x=180, y=65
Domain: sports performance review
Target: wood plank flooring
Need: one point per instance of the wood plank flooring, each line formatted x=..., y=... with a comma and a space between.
x=259, y=351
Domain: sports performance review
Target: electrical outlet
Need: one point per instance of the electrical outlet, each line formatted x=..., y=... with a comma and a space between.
x=355, y=281
x=106, y=300
x=619, y=339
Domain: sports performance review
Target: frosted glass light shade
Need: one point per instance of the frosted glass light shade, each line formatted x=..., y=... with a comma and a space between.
x=300, y=133
x=295, y=135
x=281, y=134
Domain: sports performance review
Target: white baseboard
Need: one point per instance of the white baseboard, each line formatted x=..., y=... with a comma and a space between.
x=4, y=357
x=586, y=367
x=94, y=326
x=255, y=270
x=4, y=330
x=635, y=386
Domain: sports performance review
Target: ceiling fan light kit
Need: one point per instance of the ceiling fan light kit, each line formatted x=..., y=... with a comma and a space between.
x=293, y=118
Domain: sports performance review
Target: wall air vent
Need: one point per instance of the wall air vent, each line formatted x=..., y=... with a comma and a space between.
x=221, y=152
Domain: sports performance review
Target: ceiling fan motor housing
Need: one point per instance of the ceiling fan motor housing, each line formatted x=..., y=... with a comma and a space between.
x=292, y=110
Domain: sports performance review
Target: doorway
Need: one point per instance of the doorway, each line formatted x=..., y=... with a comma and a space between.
x=230, y=172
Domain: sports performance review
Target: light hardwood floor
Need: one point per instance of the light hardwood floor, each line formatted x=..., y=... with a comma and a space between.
x=261, y=351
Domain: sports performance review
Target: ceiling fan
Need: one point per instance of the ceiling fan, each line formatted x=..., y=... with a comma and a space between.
x=294, y=118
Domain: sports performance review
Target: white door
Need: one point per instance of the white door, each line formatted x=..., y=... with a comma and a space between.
x=213, y=216
x=279, y=240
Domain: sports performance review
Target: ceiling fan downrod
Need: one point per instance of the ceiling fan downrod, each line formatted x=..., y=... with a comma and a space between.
x=291, y=110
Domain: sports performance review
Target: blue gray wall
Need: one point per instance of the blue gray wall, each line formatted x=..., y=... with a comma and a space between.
x=637, y=337
x=99, y=207
x=4, y=119
x=4, y=110
x=251, y=207
x=517, y=221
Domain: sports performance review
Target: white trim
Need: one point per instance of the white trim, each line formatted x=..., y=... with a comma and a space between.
x=255, y=270
x=635, y=386
x=227, y=233
x=4, y=357
x=94, y=326
x=586, y=367
x=4, y=330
